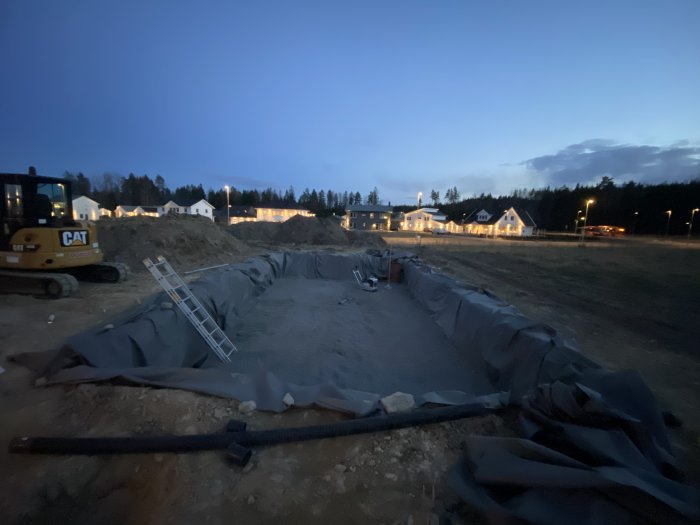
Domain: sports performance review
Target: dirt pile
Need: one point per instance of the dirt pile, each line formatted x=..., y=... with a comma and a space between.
x=305, y=230
x=185, y=241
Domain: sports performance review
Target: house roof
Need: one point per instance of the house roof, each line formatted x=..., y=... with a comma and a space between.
x=523, y=214
x=86, y=198
x=280, y=205
x=127, y=207
x=492, y=220
x=370, y=207
x=429, y=211
x=240, y=211
x=526, y=217
x=151, y=209
x=187, y=203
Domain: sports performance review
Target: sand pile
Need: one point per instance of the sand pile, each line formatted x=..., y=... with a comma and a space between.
x=186, y=241
x=304, y=230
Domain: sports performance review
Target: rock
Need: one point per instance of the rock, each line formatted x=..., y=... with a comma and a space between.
x=251, y=499
x=288, y=399
x=109, y=326
x=40, y=382
x=53, y=491
x=340, y=468
x=220, y=413
x=398, y=402
x=51, y=318
x=391, y=477
x=218, y=488
x=247, y=407
x=277, y=477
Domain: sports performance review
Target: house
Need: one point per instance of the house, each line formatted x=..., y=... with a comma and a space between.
x=512, y=223
x=104, y=212
x=517, y=223
x=368, y=217
x=276, y=211
x=125, y=210
x=428, y=219
x=190, y=207
x=84, y=208
x=237, y=214
x=482, y=225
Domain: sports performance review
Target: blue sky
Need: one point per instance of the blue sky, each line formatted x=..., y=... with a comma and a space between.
x=404, y=95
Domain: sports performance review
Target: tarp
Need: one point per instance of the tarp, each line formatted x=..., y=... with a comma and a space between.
x=593, y=439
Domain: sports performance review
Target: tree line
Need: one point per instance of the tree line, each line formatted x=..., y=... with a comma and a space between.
x=112, y=190
x=639, y=208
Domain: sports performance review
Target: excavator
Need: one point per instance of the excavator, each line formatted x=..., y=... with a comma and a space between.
x=43, y=250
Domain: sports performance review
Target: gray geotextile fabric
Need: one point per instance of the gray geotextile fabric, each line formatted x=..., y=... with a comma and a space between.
x=594, y=447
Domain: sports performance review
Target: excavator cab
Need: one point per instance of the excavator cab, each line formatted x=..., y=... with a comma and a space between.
x=41, y=243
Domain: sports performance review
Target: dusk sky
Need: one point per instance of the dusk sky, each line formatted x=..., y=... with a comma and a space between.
x=404, y=95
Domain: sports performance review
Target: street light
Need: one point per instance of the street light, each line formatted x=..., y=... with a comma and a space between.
x=690, y=224
x=585, y=220
x=634, y=223
x=228, y=209
x=668, y=222
x=579, y=212
x=420, y=195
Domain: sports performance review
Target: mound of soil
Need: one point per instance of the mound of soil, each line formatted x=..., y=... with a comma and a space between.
x=304, y=230
x=184, y=240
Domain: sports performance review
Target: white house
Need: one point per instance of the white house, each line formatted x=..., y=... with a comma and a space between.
x=267, y=212
x=279, y=211
x=515, y=223
x=427, y=219
x=512, y=223
x=203, y=208
x=200, y=207
x=124, y=210
x=84, y=208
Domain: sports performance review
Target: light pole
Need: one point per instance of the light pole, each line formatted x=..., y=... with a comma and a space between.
x=579, y=212
x=228, y=209
x=420, y=195
x=668, y=222
x=585, y=220
x=634, y=223
x=690, y=224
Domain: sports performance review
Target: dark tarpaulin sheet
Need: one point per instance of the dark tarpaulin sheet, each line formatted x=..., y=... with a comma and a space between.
x=594, y=449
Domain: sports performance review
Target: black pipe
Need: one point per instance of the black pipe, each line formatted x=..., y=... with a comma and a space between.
x=243, y=438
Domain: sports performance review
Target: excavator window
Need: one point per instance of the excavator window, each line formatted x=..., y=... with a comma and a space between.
x=50, y=201
x=13, y=200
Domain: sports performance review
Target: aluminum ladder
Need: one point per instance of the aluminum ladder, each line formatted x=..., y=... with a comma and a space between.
x=189, y=305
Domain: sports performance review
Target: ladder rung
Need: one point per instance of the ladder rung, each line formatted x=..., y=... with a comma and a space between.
x=214, y=338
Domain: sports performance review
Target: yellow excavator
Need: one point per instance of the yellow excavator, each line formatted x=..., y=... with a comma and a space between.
x=43, y=250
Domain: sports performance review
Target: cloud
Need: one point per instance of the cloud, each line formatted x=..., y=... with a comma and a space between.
x=590, y=160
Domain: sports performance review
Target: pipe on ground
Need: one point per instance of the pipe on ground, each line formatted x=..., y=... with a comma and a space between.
x=236, y=439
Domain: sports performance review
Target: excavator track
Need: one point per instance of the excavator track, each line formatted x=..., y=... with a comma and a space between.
x=56, y=285
x=50, y=284
x=104, y=272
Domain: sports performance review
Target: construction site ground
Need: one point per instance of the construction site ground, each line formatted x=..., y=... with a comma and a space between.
x=629, y=304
